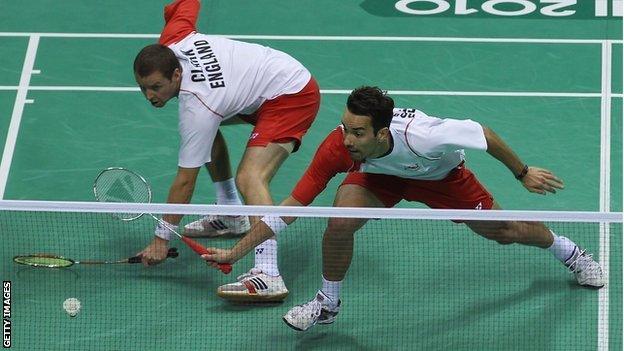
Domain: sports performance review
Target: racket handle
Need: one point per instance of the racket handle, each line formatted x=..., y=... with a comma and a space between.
x=172, y=253
x=201, y=250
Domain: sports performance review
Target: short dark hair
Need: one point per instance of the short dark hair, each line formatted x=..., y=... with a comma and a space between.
x=372, y=102
x=156, y=57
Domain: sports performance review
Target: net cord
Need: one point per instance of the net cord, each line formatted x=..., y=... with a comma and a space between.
x=311, y=211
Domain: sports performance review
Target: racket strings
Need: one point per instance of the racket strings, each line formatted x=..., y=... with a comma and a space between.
x=44, y=261
x=122, y=185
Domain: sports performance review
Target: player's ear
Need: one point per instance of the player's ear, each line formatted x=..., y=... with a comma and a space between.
x=177, y=73
x=382, y=134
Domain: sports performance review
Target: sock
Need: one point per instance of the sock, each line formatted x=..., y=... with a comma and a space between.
x=331, y=289
x=266, y=257
x=562, y=247
x=227, y=193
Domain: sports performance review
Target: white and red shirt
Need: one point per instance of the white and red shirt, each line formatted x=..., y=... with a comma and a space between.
x=425, y=148
x=220, y=79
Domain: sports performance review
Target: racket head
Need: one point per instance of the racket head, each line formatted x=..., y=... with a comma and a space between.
x=44, y=260
x=118, y=184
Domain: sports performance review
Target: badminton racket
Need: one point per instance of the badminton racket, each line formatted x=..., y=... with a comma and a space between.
x=117, y=184
x=54, y=261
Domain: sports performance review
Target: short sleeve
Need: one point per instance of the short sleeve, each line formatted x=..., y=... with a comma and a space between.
x=452, y=134
x=198, y=127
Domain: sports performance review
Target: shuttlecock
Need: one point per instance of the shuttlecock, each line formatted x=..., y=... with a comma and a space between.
x=72, y=306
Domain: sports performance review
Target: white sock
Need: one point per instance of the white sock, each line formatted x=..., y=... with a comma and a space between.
x=227, y=193
x=266, y=257
x=331, y=289
x=562, y=247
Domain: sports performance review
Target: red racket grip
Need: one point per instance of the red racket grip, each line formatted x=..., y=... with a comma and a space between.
x=201, y=250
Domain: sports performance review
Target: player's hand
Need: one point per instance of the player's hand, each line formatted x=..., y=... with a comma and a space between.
x=155, y=252
x=538, y=180
x=218, y=256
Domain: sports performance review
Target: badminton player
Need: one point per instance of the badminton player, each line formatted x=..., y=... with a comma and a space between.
x=394, y=154
x=220, y=81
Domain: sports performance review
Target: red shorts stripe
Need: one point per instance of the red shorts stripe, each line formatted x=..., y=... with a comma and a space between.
x=459, y=190
x=285, y=118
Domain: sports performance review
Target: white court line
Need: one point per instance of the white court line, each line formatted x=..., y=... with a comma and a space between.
x=319, y=38
x=605, y=198
x=602, y=8
x=343, y=91
x=16, y=116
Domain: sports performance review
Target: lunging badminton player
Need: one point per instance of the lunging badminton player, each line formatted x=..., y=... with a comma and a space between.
x=221, y=81
x=389, y=155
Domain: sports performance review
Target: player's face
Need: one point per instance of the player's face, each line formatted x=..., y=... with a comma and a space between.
x=360, y=139
x=158, y=89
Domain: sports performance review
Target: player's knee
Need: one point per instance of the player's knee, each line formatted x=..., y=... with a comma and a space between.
x=246, y=181
x=343, y=226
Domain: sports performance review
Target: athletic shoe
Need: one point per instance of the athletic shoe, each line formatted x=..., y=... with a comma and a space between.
x=319, y=310
x=587, y=271
x=217, y=225
x=254, y=286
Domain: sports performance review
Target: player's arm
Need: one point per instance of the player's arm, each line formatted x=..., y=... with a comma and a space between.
x=180, y=21
x=536, y=180
x=198, y=129
x=327, y=162
x=181, y=191
x=258, y=234
x=261, y=231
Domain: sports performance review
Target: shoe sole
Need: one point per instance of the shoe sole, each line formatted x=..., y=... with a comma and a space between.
x=252, y=298
x=590, y=286
x=292, y=326
x=326, y=321
x=301, y=330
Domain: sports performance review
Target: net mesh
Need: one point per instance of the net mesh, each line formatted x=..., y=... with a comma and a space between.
x=413, y=284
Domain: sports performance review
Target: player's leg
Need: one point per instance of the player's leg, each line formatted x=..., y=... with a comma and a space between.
x=339, y=236
x=220, y=171
x=338, y=240
x=510, y=232
x=263, y=283
x=587, y=271
x=257, y=168
x=462, y=190
x=280, y=125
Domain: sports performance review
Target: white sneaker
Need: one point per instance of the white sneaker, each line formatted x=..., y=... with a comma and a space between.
x=254, y=286
x=319, y=310
x=217, y=225
x=587, y=271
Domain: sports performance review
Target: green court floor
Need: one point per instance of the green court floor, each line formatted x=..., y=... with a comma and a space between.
x=412, y=285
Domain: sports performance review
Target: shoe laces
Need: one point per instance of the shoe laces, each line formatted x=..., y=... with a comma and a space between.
x=583, y=264
x=573, y=265
x=313, y=308
x=250, y=273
